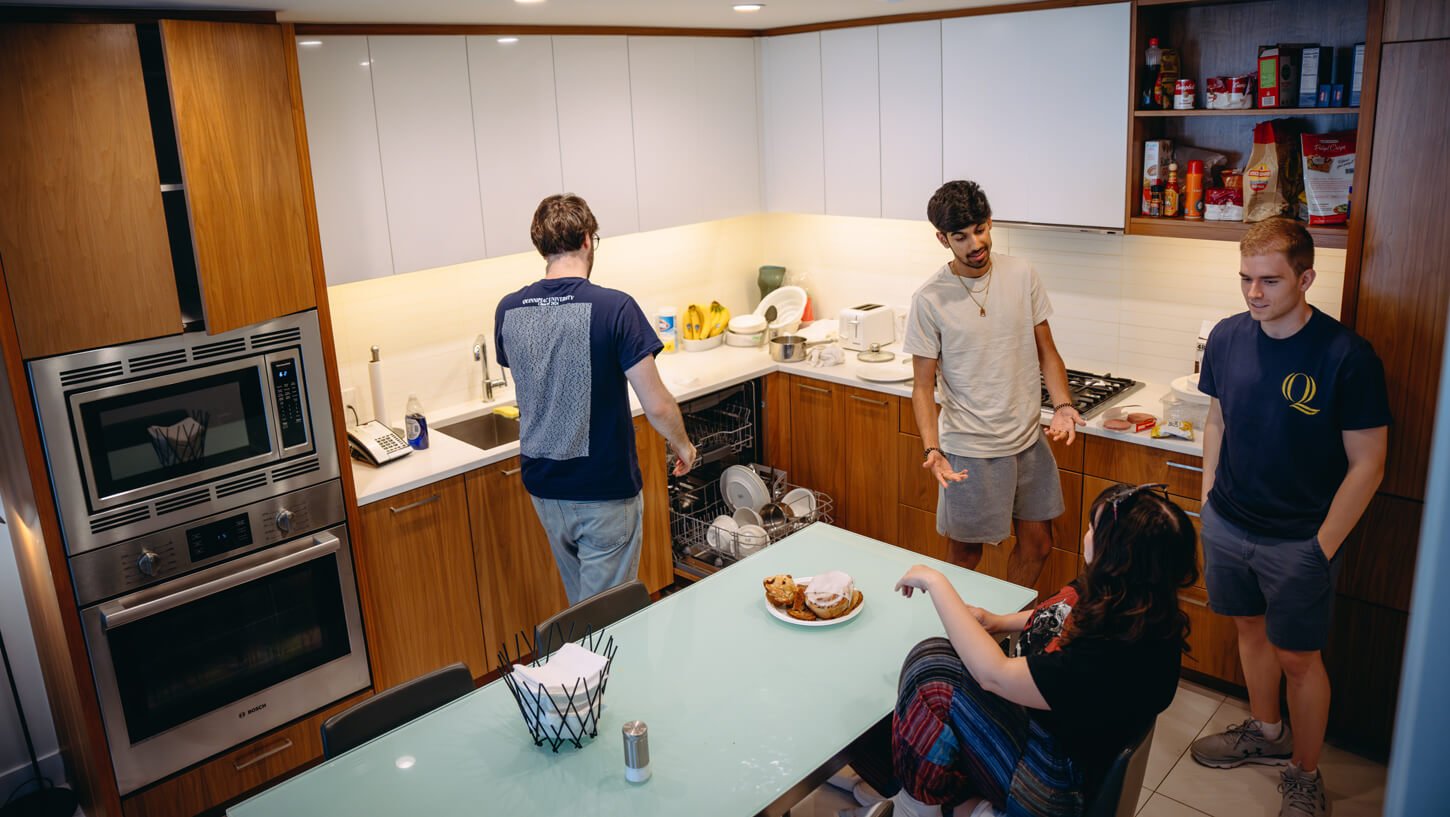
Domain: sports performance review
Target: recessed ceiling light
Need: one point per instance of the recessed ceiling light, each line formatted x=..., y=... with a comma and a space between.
x=365, y=63
x=528, y=2
x=309, y=42
x=508, y=40
x=748, y=6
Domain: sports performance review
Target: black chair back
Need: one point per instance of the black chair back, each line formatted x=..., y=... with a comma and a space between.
x=1123, y=784
x=394, y=707
x=590, y=615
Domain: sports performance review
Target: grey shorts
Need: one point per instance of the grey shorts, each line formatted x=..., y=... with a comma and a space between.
x=997, y=490
x=1287, y=581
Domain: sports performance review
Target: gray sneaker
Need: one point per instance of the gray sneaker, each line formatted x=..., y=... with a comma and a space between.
x=1303, y=793
x=1243, y=743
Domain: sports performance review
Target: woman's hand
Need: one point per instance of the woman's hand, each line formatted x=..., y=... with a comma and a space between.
x=919, y=577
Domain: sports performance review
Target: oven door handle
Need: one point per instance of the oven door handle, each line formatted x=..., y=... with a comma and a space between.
x=116, y=614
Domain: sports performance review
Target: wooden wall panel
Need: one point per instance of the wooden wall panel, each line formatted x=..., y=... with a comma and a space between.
x=230, y=92
x=82, y=233
x=1379, y=555
x=1416, y=20
x=1366, y=648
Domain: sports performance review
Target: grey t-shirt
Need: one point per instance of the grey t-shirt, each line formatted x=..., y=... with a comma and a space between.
x=988, y=374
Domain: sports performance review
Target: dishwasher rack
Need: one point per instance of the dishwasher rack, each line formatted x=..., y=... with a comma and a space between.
x=693, y=512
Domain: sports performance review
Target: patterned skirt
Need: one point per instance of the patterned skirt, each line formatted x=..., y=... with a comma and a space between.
x=952, y=741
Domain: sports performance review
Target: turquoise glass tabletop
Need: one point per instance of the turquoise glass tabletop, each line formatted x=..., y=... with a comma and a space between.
x=740, y=705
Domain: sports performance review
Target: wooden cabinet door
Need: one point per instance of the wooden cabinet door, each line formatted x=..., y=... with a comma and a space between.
x=916, y=530
x=519, y=584
x=82, y=235
x=1213, y=639
x=915, y=486
x=816, y=442
x=656, y=561
x=419, y=588
x=777, y=422
x=238, y=140
x=1139, y=464
x=869, y=440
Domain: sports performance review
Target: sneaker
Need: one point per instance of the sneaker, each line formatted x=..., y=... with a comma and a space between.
x=1303, y=793
x=1241, y=744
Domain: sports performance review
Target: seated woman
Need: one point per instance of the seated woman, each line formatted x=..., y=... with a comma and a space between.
x=1033, y=734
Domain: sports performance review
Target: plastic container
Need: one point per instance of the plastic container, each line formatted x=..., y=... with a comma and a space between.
x=1185, y=402
x=416, y=424
x=666, y=321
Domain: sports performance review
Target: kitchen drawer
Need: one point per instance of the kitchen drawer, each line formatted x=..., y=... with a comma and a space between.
x=915, y=485
x=1067, y=529
x=916, y=531
x=1069, y=457
x=1213, y=639
x=226, y=778
x=1092, y=486
x=908, y=418
x=1138, y=464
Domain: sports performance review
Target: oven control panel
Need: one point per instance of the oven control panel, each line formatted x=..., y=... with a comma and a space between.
x=126, y=566
x=288, y=391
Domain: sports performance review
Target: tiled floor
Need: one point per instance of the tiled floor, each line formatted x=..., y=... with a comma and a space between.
x=1175, y=786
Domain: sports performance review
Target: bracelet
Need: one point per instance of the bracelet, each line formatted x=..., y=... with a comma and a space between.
x=1061, y=406
x=926, y=455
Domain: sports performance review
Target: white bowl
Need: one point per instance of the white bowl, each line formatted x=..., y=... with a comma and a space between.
x=702, y=345
x=802, y=503
x=750, y=539
x=747, y=517
x=740, y=339
x=721, y=535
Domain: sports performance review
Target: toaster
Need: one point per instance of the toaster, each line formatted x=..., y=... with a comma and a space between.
x=866, y=325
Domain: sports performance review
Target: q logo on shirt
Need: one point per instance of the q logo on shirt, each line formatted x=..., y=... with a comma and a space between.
x=1299, y=389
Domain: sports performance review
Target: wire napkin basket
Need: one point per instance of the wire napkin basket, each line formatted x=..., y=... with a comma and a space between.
x=555, y=715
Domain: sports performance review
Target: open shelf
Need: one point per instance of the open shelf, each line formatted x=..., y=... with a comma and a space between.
x=1331, y=237
x=1265, y=113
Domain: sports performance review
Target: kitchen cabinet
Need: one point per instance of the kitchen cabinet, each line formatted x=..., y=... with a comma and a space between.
x=695, y=145
x=596, y=135
x=869, y=436
x=851, y=121
x=1416, y=20
x=1056, y=154
x=419, y=585
x=1213, y=639
x=429, y=160
x=656, y=560
x=910, y=78
x=793, y=133
x=916, y=530
x=1140, y=465
x=82, y=234
x=347, y=171
x=777, y=421
x=816, y=440
x=516, y=135
x=518, y=582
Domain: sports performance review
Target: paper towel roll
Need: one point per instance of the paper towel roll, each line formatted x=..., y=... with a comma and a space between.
x=375, y=380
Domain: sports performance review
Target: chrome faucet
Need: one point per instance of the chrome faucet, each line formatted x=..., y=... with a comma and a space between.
x=480, y=353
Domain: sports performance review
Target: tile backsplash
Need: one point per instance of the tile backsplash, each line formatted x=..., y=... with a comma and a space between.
x=1129, y=305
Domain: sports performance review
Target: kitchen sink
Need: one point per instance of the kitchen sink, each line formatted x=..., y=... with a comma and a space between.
x=484, y=431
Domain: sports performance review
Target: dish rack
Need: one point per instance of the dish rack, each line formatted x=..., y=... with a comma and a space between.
x=690, y=530
x=718, y=432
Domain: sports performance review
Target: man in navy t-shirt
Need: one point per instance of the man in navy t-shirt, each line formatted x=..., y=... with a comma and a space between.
x=572, y=345
x=1293, y=451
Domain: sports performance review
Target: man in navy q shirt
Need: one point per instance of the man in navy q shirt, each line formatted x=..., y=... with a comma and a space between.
x=1292, y=453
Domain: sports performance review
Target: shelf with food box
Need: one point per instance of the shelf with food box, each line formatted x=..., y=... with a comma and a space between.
x=1218, y=47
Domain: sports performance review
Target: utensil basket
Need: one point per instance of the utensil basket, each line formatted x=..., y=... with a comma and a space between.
x=547, y=719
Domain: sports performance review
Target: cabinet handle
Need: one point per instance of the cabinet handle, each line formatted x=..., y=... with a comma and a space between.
x=1193, y=601
x=420, y=503
x=263, y=754
x=508, y=472
x=1186, y=467
x=866, y=400
x=814, y=388
x=1191, y=513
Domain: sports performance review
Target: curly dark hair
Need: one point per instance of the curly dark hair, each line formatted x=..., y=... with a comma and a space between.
x=561, y=223
x=1143, y=553
x=957, y=205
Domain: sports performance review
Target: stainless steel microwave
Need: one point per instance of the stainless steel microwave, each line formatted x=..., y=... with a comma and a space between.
x=148, y=435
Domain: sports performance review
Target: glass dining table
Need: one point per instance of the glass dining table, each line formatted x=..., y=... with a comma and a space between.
x=746, y=713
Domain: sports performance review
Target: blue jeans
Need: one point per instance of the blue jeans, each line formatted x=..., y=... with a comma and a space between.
x=595, y=544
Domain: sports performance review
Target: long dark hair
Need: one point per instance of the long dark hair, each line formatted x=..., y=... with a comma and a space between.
x=1143, y=553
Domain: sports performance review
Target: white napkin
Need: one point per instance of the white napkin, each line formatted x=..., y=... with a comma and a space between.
x=833, y=584
x=562, y=672
x=823, y=356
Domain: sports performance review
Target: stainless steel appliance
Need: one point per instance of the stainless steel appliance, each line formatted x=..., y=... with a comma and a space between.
x=148, y=435
x=1091, y=393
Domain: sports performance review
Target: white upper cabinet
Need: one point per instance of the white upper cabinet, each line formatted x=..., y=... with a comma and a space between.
x=516, y=133
x=1035, y=110
x=347, y=175
x=425, y=133
x=794, y=142
x=596, y=137
x=695, y=138
x=911, y=117
x=851, y=113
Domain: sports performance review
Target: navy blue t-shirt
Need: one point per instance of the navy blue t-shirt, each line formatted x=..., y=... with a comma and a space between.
x=1285, y=405
x=568, y=343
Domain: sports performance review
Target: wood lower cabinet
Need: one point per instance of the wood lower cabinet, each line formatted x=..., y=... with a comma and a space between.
x=1212, y=639
x=916, y=530
x=419, y=588
x=915, y=486
x=816, y=438
x=656, y=561
x=777, y=423
x=1140, y=464
x=518, y=581
x=1067, y=529
x=262, y=762
x=869, y=432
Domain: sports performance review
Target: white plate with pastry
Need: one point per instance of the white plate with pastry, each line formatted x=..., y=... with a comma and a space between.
x=784, y=602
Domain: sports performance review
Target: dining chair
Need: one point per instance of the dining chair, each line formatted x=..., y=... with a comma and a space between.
x=1123, y=784
x=394, y=707
x=590, y=615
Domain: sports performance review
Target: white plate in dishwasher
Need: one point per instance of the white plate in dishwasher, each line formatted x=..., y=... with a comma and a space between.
x=743, y=488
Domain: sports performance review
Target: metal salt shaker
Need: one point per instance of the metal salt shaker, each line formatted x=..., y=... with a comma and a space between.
x=636, y=752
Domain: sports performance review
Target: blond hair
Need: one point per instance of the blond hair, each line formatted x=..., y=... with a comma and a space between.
x=1280, y=235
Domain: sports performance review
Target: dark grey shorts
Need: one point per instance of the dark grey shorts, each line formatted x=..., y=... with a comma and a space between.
x=980, y=508
x=1287, y=581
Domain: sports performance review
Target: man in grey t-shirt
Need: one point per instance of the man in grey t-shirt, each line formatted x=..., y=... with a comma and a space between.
x=978, y=332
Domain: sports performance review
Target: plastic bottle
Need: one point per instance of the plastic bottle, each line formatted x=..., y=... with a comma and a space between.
x=666, y=319
x=1150, y=76
x=1193, y=194
x=1170, y=193
x=416, y=424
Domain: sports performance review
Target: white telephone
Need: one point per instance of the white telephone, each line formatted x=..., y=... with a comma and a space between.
x=376, y=444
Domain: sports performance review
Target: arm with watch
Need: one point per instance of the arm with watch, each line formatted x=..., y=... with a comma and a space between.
x=923, y=407
x=1065, y=418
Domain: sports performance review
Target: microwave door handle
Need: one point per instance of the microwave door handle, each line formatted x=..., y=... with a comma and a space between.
x=116, y=614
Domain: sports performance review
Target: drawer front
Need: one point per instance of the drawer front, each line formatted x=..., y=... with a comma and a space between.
x=1069, y=457
x=915, y=485
x=1139, y=464
x=907, y=425
x=1213, y=639
x=916, y=530
x=1067, y=529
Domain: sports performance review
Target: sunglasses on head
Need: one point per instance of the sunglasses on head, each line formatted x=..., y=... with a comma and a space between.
x=1122, y=492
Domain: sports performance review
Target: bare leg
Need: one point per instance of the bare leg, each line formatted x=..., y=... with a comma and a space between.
x=1308, y=703
x=964, y=554
x=1034, y=543
x=1262, y=670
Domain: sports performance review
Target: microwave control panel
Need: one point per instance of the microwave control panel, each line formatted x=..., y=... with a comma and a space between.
x=288, y=389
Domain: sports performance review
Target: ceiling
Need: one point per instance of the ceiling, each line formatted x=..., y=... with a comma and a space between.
x=651, y=13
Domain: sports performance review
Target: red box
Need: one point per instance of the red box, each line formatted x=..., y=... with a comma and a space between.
x=1269, y=62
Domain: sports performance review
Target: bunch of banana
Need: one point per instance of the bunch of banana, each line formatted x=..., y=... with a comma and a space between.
x=701, y=323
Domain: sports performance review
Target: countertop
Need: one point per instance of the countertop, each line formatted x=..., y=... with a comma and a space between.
x=687, y=375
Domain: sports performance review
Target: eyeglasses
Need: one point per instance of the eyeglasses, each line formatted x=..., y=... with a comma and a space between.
x=1161, y=488
x=597, y=239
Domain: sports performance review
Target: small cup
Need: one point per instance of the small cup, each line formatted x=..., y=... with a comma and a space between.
x=747, y=516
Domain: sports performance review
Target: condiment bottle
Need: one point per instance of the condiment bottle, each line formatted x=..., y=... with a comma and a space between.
x=1155, y=200
x=1193, y=197
x=1170, y=192
x=636, y=752
x=1150, y=76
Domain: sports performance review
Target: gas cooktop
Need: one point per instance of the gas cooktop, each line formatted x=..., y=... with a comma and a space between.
x=1091, y=393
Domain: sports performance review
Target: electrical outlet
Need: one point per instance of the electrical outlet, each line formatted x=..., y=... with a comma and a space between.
x=349, y=405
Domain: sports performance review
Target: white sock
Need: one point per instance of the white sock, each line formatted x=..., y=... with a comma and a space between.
x=905, y=805
x=845, y=780
x=1271, y=731
x=984, y=809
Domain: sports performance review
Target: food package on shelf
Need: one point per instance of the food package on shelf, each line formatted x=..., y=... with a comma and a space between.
x=1272, y=178
x=1328, y=174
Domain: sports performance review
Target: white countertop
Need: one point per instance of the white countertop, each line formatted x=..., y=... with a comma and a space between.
x=687, y=375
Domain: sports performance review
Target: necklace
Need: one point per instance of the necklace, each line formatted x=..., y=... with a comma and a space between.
x=986, y=291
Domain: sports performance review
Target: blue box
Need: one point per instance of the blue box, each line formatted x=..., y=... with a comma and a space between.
x=1336, y=95
x=1324, y=97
